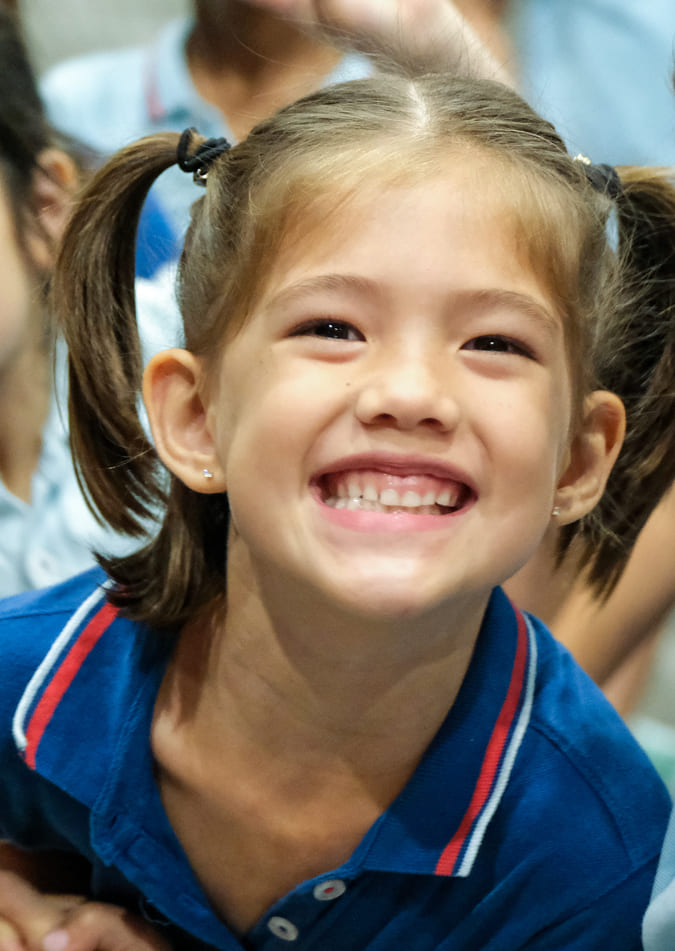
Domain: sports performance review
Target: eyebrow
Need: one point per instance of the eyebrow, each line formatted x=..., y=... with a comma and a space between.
x=484, y=298
x=324, y=283
x=491, y=298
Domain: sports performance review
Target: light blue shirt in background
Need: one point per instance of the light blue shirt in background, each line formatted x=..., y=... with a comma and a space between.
x=601, y=72
x=110, y=98
x=54, y=536
x=50, y=538
x=658, y=929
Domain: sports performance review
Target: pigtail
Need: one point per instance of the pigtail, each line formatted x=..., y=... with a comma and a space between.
x=94, y=302
x=182, y=565
x=636, y=360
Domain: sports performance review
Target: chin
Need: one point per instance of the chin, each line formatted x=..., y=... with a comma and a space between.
x=388, y=601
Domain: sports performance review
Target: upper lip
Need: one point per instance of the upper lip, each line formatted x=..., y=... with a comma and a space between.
x=398, y=464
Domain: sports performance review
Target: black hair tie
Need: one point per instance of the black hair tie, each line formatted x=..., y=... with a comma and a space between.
x=200, y=161
x=604, y=178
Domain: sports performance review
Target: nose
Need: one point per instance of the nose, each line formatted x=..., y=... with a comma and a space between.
x=408, y=390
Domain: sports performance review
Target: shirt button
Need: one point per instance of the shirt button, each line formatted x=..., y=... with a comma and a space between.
x=283, y=928
x=329, y=890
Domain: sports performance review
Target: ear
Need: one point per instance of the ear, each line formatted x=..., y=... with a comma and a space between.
x=172, y=392
x=591, y=456
x=54, y=183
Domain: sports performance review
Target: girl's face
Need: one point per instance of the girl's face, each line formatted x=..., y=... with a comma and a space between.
x=17, y=303
x=393, y=420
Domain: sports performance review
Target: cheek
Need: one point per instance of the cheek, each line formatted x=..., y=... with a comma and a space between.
x=256, y=424
x=17, y=312
x=532, y=429
x=275, y=398
x=20, y=303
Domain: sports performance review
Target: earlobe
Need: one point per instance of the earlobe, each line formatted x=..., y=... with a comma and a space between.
x=172, y=392
x=591, y=456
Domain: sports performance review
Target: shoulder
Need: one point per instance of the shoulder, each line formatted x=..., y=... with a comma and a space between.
x=578, y=829
x=62, y=650
x=46, y=637
x=31, y=625
x=44, y=609
x=584, y=781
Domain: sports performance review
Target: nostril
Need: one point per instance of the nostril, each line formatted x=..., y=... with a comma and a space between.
x=406, y=400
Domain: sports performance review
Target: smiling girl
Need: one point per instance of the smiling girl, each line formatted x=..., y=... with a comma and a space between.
x=315, y=717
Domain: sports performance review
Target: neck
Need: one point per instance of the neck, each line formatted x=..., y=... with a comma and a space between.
x=25, y=386
x=542, y=586
x=247, y=62
x=318, y=685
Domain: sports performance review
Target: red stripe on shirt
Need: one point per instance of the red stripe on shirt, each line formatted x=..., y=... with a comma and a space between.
x=493, y=754
x=63, y=678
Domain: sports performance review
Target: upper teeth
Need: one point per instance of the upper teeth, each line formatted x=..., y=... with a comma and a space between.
x=393, y=499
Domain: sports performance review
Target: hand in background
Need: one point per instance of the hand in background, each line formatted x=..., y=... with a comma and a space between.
x=420, y=35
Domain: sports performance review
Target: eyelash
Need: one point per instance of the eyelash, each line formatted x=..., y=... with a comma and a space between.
x=334, y=330
x=505, y=345
x=341, y=330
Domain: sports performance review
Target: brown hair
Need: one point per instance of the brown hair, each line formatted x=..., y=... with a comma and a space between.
x=292, y=170
x=635, y=358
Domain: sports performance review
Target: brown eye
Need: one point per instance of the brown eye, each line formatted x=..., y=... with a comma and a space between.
x=330, y=329
x=496, y=343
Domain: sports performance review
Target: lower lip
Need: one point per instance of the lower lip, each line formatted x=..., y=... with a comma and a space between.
x=360, y=521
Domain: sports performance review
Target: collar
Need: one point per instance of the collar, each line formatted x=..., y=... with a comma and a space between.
x=94, y=691
x=437, y=824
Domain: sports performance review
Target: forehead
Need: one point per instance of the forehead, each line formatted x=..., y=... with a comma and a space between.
x=457, y=225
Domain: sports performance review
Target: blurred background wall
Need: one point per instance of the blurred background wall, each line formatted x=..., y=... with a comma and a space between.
x=56, y=29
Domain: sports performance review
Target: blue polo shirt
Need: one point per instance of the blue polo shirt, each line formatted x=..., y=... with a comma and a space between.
x=533, y=820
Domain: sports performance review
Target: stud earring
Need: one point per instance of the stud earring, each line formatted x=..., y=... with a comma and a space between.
x=207, y=473
x=556, y=511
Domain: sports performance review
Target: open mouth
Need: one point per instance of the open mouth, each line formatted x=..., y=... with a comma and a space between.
x=373, y=491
